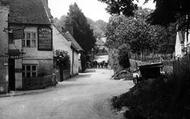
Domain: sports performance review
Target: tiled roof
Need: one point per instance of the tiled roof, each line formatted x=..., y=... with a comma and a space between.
x=27, y=12
x=74, y=43
x=60, y=32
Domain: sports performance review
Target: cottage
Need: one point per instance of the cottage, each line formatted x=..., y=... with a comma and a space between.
x=75, y=56
x=60, y=43
x=30, y=45
x=182, y=45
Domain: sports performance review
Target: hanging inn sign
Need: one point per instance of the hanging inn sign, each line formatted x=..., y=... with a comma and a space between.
x=44, y=38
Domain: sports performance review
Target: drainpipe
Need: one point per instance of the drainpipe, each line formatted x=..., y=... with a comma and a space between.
x=187, y=33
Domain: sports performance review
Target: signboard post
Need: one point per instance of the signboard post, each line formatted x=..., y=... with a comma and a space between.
x=44, y=39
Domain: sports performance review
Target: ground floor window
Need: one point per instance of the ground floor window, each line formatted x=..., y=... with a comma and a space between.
x=29, y=70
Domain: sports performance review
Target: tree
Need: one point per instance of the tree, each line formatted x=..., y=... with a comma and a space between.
x=169, y=11
x=125, y=7
x=77, y=24
x=140, y=35
x=99, y=27
x=124, y=51
x=166, y=12
x=129, y=30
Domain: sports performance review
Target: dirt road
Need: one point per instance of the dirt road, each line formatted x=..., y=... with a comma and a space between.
x=83, y=97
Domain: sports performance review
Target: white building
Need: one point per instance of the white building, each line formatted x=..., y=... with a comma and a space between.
x=182, y=45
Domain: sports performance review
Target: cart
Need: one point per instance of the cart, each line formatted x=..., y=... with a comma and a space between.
x=148, y=71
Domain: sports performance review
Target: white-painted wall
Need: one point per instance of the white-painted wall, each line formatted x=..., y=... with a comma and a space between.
x=75, y=63
x=43, y=59
x=61, y=43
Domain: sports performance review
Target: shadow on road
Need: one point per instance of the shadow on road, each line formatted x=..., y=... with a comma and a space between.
x=90, y=70
x=80, y=76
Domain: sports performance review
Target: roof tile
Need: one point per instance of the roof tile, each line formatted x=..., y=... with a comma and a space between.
x=27, y=12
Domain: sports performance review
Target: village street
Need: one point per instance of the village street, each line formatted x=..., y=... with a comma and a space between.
x=85, y=96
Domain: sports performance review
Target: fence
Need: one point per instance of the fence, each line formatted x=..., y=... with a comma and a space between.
x=153, y=57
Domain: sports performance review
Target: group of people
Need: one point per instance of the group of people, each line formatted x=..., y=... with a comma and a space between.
x=96, y=64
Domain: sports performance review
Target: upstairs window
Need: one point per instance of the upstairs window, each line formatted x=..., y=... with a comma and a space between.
x=29, y=40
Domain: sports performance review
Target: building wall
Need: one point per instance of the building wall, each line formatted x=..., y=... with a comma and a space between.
x=79, y=63
x=43, y=59
x=4, y=11
x=61, y=43
x=75, y=63
x=44, y=66
x=31, y=56
x=34, y=53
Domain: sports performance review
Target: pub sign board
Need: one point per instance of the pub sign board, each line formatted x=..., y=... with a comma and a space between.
x=44, y=38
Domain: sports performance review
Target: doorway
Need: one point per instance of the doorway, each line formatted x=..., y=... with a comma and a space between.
x=11, y=74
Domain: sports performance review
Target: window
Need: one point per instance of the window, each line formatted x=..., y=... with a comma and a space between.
x=30, y=39
x=29, y=71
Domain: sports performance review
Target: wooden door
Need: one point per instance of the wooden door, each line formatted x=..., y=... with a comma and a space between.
x=11, y=74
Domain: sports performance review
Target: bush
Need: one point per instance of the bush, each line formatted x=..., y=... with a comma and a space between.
x=163, y=98
x=62, y=62
x=62, y=59
x=124, y=56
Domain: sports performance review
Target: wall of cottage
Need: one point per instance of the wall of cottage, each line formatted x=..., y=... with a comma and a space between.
x=61, y=43
x=4, y=11
x=43, y=59
x=75, y=63
x=31, y=56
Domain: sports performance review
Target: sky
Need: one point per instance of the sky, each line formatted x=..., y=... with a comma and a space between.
x=91, y=8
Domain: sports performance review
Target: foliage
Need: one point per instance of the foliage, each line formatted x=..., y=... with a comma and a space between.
x=166, y=12
x=77, y=24
x=99, y=27
x=141, y=36
x=118, y=58
x=83, y=61
x=113, y=60
x=62, y=59
x=125, y=7
x=145, y=100
x=163, y=98
x=124, y=51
